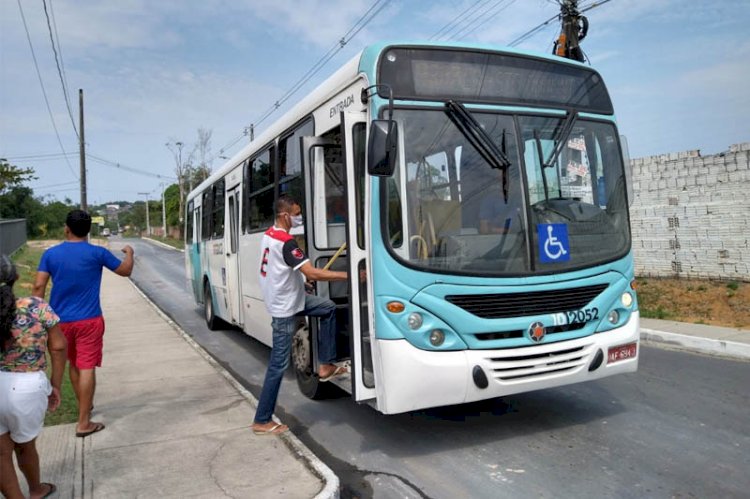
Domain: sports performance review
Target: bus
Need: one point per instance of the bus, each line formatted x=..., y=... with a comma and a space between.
x=485, y=193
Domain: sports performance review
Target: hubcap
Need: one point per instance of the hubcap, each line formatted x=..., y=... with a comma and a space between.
x=301, y=350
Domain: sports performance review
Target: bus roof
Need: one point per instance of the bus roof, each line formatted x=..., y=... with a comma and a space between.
x=365, y=62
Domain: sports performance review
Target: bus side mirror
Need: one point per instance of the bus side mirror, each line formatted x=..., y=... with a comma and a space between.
x=383, y=143
x=628, y=168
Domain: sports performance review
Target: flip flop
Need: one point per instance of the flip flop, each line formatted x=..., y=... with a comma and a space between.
x=274, y=430
x=336, y=372
x=97, y=427
x=52, y=489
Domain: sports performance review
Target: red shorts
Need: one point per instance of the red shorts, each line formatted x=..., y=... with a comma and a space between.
x=85, y=342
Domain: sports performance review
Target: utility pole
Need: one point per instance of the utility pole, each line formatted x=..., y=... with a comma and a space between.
x=148, y=224
x=82, y=151
x=574, y=28
x=163, y=212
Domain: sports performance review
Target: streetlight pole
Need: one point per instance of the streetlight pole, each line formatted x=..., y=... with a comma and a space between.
x=163, y=211
x=148, y=224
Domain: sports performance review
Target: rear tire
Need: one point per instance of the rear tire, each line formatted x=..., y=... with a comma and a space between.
x=212, y=322
x=307, y=380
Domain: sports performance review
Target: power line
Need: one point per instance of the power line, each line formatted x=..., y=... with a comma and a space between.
x=361, y=22
x=51, y=185
x=114, y=164
x=534, y=30
x=461, y=19
x=58, y=64
x=486, y=18
x=455, y=22
x=44, y=92
x=54, y=155
x=365, y=19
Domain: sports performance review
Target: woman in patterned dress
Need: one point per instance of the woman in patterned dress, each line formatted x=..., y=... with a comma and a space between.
x=28, y=330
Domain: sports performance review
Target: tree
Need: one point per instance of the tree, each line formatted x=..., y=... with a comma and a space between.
x=191, y=170
x=172, y=202
x=12, y=176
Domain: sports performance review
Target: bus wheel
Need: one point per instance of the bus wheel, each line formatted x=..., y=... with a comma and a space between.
x=212, y=322
x=309, y=384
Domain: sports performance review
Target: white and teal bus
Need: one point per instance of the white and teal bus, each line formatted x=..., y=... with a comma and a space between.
x=483, y=190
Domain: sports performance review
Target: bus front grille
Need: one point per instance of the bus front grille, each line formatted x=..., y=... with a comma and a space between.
x=508, y=305
x=536, y=365
x=518, y=333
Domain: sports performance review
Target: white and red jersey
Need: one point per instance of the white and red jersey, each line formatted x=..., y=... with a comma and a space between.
x=282, y=284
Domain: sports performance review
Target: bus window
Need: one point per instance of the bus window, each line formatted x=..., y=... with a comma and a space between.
x=259, y=203
x=360, y=174
x=329, y=201
x=206, y=215
x=290, y=164
x=217, y=211
x=189, y=219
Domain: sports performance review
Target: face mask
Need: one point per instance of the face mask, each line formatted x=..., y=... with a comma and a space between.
x=296, y=220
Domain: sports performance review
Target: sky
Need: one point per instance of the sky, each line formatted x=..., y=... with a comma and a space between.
x=154, y=72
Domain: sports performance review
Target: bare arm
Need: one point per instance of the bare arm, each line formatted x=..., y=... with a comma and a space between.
x=57, y=346
x=126, y=267
x=40, y=284
x=315, y=274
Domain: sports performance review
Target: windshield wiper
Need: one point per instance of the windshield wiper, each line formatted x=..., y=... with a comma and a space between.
x=562, y=137
x=479, y=139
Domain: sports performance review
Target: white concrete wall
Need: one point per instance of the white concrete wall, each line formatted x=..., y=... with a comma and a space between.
x=691, y=215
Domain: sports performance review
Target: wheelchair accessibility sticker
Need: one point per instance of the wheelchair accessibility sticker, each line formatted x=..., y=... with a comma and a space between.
x=553, y=243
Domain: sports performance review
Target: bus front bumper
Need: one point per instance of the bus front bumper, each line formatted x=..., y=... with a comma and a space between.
x=415, y=379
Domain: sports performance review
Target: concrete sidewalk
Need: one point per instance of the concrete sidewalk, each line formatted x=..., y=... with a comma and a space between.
x=177, y=423
x=701, y=338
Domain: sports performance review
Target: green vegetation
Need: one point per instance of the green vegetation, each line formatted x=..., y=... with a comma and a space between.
x=655, y=313
x=175, y=243
x=27, y=261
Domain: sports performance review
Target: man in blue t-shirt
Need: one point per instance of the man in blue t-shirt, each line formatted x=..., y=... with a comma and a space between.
x=76, y=270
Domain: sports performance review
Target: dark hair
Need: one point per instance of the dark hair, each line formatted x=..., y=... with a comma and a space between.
x=285, y=203
x=8, y=277
x=79, y=223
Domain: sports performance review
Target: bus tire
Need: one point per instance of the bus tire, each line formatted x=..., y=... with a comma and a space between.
x=212, y=322
x=307, y=380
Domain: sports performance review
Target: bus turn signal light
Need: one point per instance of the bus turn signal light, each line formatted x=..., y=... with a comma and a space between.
x=395, y=307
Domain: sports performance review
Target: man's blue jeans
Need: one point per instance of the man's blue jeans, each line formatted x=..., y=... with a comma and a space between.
x=283, y=332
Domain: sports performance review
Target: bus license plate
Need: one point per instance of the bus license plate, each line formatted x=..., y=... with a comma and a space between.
x=622, y=352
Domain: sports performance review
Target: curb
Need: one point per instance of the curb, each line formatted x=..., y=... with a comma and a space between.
x=163, y=245
x=316, y=466
x=698, y=344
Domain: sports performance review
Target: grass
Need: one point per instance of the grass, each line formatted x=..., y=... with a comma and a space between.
x=175, y=243
x=27, y=261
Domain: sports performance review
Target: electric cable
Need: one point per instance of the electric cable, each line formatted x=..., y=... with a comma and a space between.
x=59, y=71
x=115, y=164
x=44, y=92
x=487, y=17
x=456, y=21
x=360, y=24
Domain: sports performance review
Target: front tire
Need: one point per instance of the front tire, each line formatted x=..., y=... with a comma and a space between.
x=307, y=380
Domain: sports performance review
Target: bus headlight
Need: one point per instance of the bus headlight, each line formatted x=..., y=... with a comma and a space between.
x=627, y=299
x=437, y=337
x=613, y=317
x=414, y=320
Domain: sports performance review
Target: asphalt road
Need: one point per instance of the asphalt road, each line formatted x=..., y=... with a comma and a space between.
x=679, y=427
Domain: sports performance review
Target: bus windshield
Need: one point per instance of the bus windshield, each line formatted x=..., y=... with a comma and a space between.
x=448, y=209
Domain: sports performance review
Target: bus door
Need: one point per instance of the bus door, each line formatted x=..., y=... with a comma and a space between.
x=325, y=228
x=354, y=126
x=231, y=245
x=194, y=247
